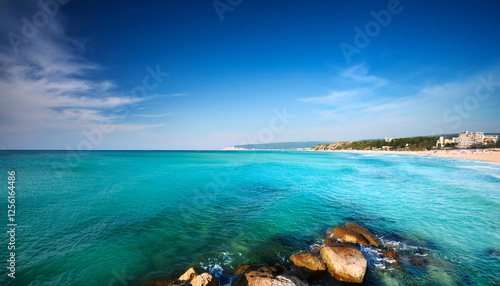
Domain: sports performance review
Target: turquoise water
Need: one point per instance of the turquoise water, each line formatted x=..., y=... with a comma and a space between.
x=129, y=217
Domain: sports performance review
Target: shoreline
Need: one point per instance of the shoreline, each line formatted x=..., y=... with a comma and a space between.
x=488, y=156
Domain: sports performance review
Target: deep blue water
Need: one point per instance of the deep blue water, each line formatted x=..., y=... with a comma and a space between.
x=129, y=217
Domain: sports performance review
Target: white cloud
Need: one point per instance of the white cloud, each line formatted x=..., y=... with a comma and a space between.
x=48, y=85
x=152, y=115
x=354, y=83
x=375, y=102
x=135, y=127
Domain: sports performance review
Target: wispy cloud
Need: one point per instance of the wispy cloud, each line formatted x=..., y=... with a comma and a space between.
x=49, y=85
x=152, y=115
x=371, y=101
x=136, y=127
x=353, y=84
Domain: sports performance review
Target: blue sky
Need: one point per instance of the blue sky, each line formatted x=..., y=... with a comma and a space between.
x=211, y=74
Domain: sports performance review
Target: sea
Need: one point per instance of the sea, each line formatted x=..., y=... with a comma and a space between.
x=133, y=217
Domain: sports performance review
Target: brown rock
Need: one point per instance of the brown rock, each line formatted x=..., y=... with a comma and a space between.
x=372, y=239
x=287, y=280
x=188, y=275
x=266, y=275
x=308, y=261
x=418, y=261
x=204, y=279
x=346, y=234
x=307, y=265
x=317, y=248
x=192, y=278
x=331, y=242
x=241, y=269
x=345, y=263
x=391, y=253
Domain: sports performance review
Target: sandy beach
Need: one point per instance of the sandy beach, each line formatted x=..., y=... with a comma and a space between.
x=483, y=156
x=490, y=156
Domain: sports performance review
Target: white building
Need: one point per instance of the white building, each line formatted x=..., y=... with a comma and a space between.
x=443, y=141
x=466, y=139
x=388, y=139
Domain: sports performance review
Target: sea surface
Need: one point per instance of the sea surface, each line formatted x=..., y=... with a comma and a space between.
x=131, y=217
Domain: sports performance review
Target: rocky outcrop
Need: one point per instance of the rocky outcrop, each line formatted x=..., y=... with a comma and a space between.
x=372, y=239
x=307, y=265
x=354, y=233
x=339, y=255
x=331, y=242
x=346, y=234
x=345, y=263
x=265, y=275
x=192, y=278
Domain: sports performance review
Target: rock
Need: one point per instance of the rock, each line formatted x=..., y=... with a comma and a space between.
x=204, y=279
x=192, y=278
x=418, y=261
x=307, y=265
x=331, y=242
x=372, y=239
x=317, y=247
x=308, y=261
x=391, y=253
x=188, y=275
x=241, y=269
x=345, y=263
x=346, y=234
x=287, y=280
x=266, y=275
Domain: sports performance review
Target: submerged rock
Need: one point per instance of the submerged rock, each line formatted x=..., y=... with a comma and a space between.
x=419, y=261
x=192, y=278
x=265, y=275
x=307, y=265
x=345, y=263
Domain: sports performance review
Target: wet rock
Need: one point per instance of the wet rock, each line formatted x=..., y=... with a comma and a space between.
x=345, y=263
x=331, y=242
x=346, y=234
x=307, y=265
x=317, y=247
x=192, y=278
x=265, y=275
x=188, y=275
x=391, y=253
x=372, y=239
x=288, y=280
x=241, y=269
x=419, y=261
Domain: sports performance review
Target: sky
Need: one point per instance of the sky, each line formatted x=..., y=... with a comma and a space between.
x=168, y=75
